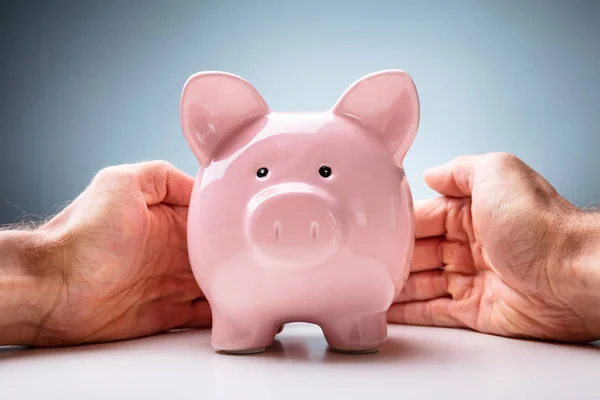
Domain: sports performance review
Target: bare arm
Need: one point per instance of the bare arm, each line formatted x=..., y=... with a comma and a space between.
x=30, y=265
x=581, y=256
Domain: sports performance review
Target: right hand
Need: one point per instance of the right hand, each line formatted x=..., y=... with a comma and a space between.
x=502, y=252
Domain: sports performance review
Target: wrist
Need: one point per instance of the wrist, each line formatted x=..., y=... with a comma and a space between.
x=31, y=270
x=580, y=260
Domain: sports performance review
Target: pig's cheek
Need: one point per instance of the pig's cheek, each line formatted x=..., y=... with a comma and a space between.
x=219, y=250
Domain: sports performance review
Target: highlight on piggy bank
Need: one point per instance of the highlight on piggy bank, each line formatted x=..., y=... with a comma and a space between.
x=300, y=217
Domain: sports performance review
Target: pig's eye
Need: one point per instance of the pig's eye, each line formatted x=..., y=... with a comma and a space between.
x=325, y=171
x=262, y=172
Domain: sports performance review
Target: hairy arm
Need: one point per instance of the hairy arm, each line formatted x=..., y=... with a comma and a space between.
x=32, y=263
x=580, y=256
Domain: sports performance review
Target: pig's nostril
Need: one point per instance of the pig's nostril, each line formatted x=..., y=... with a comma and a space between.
x=277, y=229
x=314, y=230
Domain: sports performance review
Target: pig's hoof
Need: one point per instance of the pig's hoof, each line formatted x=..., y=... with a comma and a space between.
x=357, y=351
x=244, y=352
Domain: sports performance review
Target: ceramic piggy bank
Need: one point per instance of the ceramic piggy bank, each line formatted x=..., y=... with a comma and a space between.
x=300, y=217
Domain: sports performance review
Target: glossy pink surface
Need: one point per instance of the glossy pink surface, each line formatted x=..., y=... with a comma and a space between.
x=297, y=244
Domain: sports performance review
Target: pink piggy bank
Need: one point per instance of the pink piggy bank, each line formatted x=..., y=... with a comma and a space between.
x=300, y=217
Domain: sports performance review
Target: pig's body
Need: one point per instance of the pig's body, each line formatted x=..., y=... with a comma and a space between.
x=325, y=236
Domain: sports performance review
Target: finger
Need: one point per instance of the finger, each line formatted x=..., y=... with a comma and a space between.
x=457, y=257
x=200, y=316
x=450, y=217
x=430, y=217
x=181, y=211
x=161, y=182
x=454, y=178
x=427, y=254
x=434, y=253
x=424, y=285
x=428, y=313
x=187, y=288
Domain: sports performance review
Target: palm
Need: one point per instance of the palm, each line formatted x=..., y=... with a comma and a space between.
x=483, y=258
x=480, y=297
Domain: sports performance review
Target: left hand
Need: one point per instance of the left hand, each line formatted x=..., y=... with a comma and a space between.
x=501, y=252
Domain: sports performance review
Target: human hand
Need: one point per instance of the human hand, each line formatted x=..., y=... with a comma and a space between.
x=502, y=253
x=114, y=264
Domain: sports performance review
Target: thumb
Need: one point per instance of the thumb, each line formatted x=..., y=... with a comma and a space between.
x=454, y=178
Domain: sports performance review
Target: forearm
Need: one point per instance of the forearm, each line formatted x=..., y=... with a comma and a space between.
x=581, y=248
x=29, y=266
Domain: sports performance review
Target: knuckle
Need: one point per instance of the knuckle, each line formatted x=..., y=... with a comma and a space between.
x=463, y=158
x=458, y=219
x=504, y=160
x=155, y=168
x=441, y=283
x=107, y=172
x=114, y=173
x=163, y=164
x=159, y=164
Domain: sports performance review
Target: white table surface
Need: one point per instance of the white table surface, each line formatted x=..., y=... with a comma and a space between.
x=416, y=363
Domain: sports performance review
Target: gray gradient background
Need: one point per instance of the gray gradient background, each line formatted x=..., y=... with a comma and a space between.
x=84, y=84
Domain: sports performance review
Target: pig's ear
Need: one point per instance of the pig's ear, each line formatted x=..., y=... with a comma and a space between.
x=386, y=103
x=213, y=105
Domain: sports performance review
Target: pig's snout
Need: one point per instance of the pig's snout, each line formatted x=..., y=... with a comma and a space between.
x=294, y=225
x=314, y=229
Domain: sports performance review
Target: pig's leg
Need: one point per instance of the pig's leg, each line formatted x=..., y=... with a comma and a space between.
x=242, y=335
x=356, y=334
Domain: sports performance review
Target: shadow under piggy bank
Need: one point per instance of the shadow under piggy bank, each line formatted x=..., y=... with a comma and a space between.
x=314, y=348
